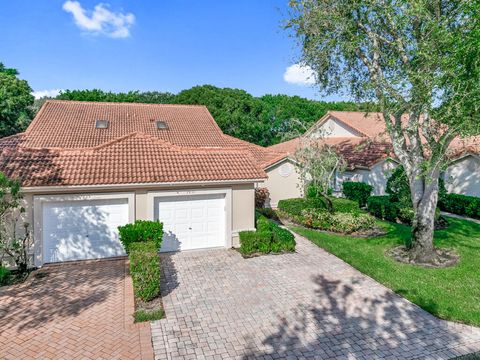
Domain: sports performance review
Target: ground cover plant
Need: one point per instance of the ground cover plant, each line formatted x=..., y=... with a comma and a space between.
x=449, y=293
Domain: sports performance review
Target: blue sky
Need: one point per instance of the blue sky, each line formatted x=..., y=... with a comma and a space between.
x=152, y=45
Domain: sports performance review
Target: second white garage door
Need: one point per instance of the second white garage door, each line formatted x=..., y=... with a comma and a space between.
x=191, y=221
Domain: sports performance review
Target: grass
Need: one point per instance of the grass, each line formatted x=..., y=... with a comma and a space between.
x=450, y=293
x=148, y=315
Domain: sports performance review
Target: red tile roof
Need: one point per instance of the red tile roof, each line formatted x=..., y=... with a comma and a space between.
x=63, y=147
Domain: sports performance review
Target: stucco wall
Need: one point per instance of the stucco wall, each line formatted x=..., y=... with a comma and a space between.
x=377, y=176
x=283, y=183
x=463, y=176
x=332, y=128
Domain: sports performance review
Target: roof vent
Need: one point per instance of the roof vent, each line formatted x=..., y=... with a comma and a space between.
x=101, y=124
x=161, y=125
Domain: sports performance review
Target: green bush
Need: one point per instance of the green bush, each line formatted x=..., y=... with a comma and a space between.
x=345, y=206
x=141, y=231
x=345, y=223
x=357, y=191
x=382, y=207
x=294, y=207
x=4, y=276
x=461, y=205
x=268, y=213
x=145, y=270
x=268, y=238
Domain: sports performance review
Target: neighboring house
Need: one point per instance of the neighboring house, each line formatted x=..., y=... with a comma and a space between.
x=362, y=140
x=88, y=167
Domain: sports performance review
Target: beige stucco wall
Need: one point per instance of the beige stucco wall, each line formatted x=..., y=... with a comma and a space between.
x=283, y=183
x=463, y=176
x=332, y=128
x=242, y=204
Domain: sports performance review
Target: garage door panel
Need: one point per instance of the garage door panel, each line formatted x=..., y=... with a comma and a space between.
x=198, y=221
x=83, y=229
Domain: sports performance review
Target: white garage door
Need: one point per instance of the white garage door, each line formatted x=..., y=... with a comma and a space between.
x=82, y=229
x=191, y=222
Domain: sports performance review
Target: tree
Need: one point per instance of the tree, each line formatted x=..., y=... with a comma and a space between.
x=14, y=242
x=419, y=60
x=15, y=102
x=149, y=97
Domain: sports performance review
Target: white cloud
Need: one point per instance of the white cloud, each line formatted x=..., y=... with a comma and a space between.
x=49, y=93
x=300, y=75
x=101, y=20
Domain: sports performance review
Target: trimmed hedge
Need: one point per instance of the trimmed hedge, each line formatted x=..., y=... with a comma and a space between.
x=296, y=206
x=382, y=207
x=461, y=205
x=145, y=270
x=4, y=276
x=357, y=191
x=269, y=238
x=141, y=231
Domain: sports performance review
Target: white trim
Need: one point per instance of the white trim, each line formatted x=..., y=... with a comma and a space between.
x=38, y=214
x=37, y=189
x=286, y=158
x=151, y=195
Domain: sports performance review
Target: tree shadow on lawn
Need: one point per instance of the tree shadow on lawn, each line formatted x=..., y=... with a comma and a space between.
x=341, y=324
x=58, y=293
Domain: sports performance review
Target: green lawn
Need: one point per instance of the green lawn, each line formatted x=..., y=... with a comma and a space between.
x=452, y=293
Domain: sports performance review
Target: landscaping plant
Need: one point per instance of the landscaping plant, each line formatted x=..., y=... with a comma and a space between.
x=357, y=191
x=419, y=61
x=145, y=270
x=4, y=276
x=261, y=196
x=141, y=231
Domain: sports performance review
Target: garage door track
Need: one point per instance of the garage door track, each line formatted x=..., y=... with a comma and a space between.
x=307, y=305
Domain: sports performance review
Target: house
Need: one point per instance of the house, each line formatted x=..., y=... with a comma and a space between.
x=363, y=142
x=86, y=168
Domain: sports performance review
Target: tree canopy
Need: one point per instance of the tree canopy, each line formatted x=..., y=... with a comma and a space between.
x=419, y=61
x=264, y=120
x=15, y=102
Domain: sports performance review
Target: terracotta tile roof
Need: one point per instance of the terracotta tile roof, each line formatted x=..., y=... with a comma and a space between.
x=135, y=158
x=63, y=147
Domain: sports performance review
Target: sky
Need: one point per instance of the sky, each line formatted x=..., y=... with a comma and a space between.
x=163, y=45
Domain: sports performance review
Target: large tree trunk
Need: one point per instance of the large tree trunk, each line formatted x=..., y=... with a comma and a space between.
x=424, y=198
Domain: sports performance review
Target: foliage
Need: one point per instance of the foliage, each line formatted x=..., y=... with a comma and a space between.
x=148, y=315
x=268, y=213
x=261, y=196
x=269, y=238
x=357, y=191
x=262, y=120
x=145, y=270
x=317, y=164
x=296, y=206
x=345, y=206
x=450, y=294
x=141, y=231
x=416, y=58
x=15, y=102
x=4, y=276
x=148, y=97
x=13, y=243
x=461, y=205
x=382, y=207
x=344, y=223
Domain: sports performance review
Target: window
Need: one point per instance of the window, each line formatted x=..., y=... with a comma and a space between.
x=161, y=125
x=101, y=124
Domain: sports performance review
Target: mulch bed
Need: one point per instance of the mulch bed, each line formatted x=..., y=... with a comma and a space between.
x=444, y=257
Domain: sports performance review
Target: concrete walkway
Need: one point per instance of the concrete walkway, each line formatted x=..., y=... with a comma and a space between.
x=306, y=305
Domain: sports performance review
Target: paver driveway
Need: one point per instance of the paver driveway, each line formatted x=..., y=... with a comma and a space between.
x=77, y=311
x=304, y=305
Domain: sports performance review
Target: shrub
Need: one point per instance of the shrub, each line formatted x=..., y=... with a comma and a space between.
x=344, y=223
x=357, y=191
x=312, y=191
x=294, y=207
x=268, y=213
x=4, y=276
x=145, y=270
x=461, y=205
x=345, y=206
x=269, y=237
x=382, y=207
x=141, y=231
x=261, y=196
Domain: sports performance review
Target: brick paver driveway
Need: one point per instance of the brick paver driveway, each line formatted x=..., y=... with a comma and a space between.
x=307, y=305
x=76, y=311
